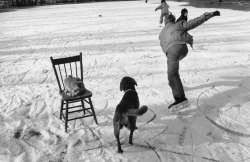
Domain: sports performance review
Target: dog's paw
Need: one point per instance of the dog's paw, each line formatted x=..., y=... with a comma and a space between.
x=130, y=140
x=120, y=151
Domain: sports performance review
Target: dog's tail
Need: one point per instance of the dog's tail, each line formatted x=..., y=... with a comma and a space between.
x=137, y=112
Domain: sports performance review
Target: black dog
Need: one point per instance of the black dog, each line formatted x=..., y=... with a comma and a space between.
x=127, y=110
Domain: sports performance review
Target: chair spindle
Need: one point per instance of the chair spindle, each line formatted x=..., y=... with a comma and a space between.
x=61, y=76
x=70, y=69
x=76, y=69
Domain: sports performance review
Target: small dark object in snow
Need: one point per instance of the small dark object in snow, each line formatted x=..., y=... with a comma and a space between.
x=34, y=133
x=17, y=134
x=100, y=15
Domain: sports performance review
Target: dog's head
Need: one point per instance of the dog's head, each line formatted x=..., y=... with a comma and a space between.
x=127, y=83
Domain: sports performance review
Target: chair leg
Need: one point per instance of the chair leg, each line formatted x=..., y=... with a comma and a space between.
x=83, y=107
x=93, y=111
x=66, y=116
x=61, y=110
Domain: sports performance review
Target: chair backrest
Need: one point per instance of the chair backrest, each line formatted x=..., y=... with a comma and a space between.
x=66, y=66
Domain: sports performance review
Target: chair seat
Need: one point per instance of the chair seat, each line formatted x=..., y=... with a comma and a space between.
x=65, y=97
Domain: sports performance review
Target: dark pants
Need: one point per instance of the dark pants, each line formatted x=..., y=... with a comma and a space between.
x=174, y=55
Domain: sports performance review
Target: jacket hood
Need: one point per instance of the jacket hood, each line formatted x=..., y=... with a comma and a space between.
x=183, y=11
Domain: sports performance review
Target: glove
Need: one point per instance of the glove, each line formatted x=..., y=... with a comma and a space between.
x=216, y=13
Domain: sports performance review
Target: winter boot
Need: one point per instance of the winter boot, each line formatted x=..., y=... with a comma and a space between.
x=178, y=104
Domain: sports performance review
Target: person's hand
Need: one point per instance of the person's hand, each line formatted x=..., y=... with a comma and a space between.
x=216, y=13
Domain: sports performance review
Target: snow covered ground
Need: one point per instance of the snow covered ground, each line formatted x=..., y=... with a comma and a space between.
x=121, y=39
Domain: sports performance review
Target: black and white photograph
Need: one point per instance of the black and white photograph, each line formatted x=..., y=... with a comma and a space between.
x=124, y=80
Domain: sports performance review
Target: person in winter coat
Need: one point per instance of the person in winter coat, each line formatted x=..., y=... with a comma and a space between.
x=164, y=7
x=184, y=14
x=174, y=38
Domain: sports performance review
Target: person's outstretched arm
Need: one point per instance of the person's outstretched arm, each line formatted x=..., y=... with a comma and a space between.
x=157, y=8
x=191, y=24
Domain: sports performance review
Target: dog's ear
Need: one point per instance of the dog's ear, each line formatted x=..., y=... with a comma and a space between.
x=121, y=86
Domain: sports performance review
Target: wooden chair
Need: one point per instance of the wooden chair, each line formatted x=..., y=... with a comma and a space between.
x=64, y=67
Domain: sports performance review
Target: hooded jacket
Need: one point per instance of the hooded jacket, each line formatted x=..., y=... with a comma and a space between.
x=182, y=17
x=177, y=33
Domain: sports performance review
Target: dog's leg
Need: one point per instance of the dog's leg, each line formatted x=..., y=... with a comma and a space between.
x=131, y=136
x=117, y=133
x=132, y=127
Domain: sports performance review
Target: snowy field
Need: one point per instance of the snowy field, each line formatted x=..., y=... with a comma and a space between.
x=120, y=39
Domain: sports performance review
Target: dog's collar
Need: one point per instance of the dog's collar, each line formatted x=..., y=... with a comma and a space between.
x=128, y=90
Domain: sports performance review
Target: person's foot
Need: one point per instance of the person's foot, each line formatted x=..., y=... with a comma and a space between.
x=179, y=104
x=171, y=105
x=178, y=101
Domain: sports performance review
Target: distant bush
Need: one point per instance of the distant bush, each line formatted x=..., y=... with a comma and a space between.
x=22, y=3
